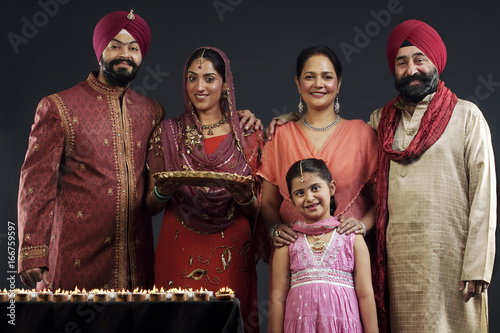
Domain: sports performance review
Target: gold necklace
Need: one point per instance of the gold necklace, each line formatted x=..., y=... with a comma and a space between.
x=212, y=126
x=318, y=245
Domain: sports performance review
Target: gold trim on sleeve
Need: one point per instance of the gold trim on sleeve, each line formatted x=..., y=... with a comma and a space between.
x=31, y=252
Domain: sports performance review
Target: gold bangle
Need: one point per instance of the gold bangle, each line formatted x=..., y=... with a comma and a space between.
x=247, y=203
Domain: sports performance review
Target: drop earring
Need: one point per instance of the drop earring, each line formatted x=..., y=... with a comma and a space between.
x=337, y=104
x=301, y=106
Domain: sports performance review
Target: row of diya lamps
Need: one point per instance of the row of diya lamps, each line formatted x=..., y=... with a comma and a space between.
x=100, y=295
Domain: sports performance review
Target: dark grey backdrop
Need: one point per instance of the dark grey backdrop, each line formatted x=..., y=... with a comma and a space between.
x=46, y=46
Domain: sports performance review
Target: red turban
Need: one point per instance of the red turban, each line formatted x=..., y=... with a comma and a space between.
x=110, y=25
x=421, y=35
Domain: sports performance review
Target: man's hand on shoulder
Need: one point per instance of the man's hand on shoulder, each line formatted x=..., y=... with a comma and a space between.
x=279, y=121
x=248, y=120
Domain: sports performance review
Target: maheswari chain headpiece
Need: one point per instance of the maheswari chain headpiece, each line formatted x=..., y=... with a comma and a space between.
x=301, y=173
x=200, y=60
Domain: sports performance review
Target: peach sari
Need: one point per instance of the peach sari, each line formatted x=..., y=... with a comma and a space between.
x=350, y=153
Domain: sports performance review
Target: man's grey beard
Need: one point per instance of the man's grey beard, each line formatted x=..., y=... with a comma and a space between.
x=415, y=93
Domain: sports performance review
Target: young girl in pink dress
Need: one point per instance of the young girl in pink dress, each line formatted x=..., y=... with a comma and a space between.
x=322, y=281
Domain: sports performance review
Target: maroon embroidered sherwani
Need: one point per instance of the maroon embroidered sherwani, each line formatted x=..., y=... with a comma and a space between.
x=80, y=206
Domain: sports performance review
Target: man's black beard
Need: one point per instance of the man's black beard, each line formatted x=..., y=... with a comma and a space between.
x=120, y=77
x=415, y=93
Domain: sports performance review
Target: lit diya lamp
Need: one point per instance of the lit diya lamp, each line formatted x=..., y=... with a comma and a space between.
x=156, y=295
x=44, y=295
x=101, y=295
x=225, y=293
x=60, y=296
x=4, y=295
x=139, y=295
x=201, y=295
x=22, y=295
x=79, y=296
x=123, y=296
x=179, y=295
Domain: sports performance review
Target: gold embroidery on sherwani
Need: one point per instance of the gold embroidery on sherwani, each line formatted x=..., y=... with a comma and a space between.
x=30, y=252
x=122, y=213
x=69, y=133
x=132, y=191
x=123, y=146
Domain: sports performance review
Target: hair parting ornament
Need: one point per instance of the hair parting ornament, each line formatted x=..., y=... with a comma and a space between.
x=200, y=60
x=301, y=173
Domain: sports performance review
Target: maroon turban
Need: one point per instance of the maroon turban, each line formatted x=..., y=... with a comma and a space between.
x=421, y=35
x=110, y=25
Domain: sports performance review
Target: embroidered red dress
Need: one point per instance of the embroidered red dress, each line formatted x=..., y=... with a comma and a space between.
x=80, y=205
x=205, y=241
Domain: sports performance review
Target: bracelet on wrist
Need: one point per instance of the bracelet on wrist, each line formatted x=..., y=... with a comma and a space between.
x=248, y=202
x=160, y=197
x=364, y=228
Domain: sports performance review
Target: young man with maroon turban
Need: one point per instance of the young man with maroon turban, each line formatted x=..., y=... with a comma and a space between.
x=436, y=195
x=81, y=217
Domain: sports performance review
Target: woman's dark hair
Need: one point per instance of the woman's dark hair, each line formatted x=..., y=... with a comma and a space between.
x=214, y=57
x=318, y=50
x=313, y=165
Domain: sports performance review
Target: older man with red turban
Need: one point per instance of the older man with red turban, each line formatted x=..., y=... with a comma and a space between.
x=436, y=195
x=81, y=218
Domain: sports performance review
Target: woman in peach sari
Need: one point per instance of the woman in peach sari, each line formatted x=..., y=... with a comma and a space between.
x=349, y=148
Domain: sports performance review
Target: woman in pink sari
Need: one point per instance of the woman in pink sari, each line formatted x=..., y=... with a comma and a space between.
x=206, y=235
x=349, y=148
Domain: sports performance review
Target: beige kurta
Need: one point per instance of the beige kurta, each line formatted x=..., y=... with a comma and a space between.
x=442, y=220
